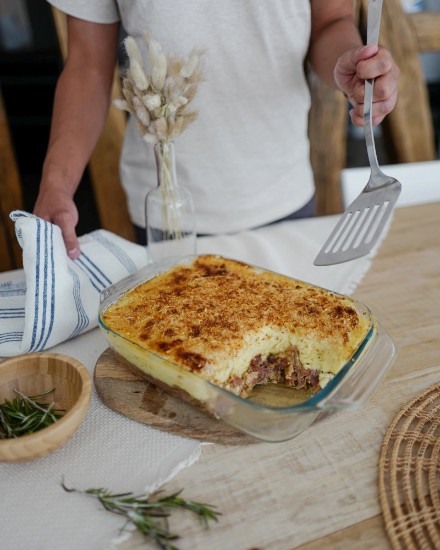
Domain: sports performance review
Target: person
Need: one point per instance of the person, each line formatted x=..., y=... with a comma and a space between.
x=246, y=158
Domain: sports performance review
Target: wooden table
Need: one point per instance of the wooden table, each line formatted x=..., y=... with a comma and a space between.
x=320, y=490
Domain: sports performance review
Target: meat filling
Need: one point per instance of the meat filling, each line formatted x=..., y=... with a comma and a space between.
x=281, y=368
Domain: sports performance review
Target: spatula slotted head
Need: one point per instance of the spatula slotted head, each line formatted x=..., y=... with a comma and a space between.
x=360, y=226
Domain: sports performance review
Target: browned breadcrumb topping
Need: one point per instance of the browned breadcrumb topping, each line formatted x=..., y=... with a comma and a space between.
x=193, y=311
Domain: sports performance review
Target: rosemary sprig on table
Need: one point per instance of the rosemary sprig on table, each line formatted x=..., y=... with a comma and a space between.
x=25, y=415
x=149, y=513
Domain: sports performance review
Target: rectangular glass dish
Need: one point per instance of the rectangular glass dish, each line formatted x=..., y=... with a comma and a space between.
x=272, y=412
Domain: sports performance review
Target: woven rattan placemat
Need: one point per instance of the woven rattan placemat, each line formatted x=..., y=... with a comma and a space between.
x=409, y=474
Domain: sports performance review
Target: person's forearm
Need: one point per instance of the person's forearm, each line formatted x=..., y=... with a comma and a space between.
x=333, y=33
x=80, y=109
x=81, y=103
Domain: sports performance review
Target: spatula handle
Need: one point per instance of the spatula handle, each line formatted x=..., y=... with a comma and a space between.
x=373, y=26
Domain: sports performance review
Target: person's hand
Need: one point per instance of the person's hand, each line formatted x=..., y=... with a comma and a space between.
x=57, y=207
x=357, y=65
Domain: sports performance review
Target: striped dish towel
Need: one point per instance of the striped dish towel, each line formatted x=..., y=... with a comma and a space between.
x=58, y=298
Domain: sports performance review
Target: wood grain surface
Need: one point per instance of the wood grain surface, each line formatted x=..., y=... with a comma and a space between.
x=320, y=490
x=130, y=395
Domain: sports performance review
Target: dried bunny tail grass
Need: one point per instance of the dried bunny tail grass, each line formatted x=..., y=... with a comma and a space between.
x=133, y=50
x=138, y=93
x=193, y=62
x=142, y=129
x=174, y=65
x=159, y=100
x=192, y=84
x=177, y=103
x=140, y=79
x=141, y=112
x=158, y=62
x=197, y=75
x=122, y=105
x=158, y=112
x=152, y=101
x=150, y=138
x=190, y=91
x=135, y=70
x=127, y=92
x=176, y=128
x=187, y=119
x=158, y=77
x=173, y=87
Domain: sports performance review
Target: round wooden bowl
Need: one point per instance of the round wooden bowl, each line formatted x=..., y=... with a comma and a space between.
x=33, y=374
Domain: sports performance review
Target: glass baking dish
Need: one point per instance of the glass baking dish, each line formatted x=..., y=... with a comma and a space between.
x=272, y=412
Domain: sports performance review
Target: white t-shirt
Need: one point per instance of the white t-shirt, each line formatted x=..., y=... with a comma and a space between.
x=246, y=157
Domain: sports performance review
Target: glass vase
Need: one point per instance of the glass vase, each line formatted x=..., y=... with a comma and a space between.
x=169, y=211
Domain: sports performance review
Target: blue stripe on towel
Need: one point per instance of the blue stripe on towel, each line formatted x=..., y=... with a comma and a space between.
x=52, y=290
x=43, y=296
x=48, y=290
x=80, y=264
x=12, y=313
x=96, y=268
x=11, y=337
x=96, y=281
x=116, y=251
x=37, y=287
x=21, y=214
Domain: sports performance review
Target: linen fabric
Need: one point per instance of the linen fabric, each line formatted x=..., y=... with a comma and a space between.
x=57, y=298
x=245, y=159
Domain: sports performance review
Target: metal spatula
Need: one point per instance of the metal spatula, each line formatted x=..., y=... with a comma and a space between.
x=361, y=224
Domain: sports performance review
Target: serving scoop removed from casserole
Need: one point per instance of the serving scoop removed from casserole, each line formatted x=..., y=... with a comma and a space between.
x=234, y=325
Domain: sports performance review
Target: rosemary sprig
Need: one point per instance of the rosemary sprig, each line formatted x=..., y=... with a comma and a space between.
x=25, y=415
x=149, y=513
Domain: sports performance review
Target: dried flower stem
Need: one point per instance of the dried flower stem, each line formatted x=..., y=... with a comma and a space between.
x=173, y=227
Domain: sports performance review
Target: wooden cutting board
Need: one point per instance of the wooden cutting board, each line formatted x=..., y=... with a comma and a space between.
x=129, y=394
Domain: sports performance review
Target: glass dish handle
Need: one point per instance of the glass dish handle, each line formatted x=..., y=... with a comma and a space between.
x=360, y=383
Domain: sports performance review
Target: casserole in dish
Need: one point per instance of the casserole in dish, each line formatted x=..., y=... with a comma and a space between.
x=251, y=347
